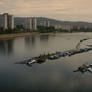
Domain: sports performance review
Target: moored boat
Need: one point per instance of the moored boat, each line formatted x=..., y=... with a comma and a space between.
x=84, y=68
x=41, y=60
x=52, y=57
x=31, y=61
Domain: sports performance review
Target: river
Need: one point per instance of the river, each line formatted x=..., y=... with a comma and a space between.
x=50, y=76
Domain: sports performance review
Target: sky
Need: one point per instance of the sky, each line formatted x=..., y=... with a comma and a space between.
x=66, y=10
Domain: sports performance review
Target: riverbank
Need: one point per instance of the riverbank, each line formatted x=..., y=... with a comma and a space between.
x=9, y=36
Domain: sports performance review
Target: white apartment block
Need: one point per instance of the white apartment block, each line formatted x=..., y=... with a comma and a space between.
x=6, y=21
x=11, y=21
x=63, y=27
x=34, y=23
x=28, y=23
x=45, y=23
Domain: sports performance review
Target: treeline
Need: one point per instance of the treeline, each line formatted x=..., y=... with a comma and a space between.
x=75, y=30
x=12, y=31
x=43, y=29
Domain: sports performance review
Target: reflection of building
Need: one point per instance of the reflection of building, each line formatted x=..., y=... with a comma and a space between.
x=27, y=23
x=30, y=42
x=44, y=38
x=6, y=47
x=6, y=21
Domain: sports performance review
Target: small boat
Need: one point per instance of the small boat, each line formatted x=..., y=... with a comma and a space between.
x=61, y=54
x=90, y=70
x=70, y=53
x=84, y=50
x=52, y=57
x=41, y=60
x=90, y=65
x=31, y=61
x=84, y=68
x=84, y=39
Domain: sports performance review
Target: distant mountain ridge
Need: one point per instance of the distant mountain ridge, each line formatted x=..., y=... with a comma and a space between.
x=55, y=22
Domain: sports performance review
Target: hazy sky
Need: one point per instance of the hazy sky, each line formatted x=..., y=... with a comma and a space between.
x=76, y=10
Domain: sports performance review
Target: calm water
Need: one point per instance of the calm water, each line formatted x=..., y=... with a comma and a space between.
x=51, y=76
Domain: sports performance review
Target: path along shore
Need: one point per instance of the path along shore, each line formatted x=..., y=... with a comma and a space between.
x=9, y=36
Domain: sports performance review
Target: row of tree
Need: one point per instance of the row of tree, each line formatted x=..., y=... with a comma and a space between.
x=75, y=30
x=42, y=29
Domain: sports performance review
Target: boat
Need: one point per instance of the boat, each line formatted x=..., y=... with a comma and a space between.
x=31, y=61
x=52, y=57
x=61, y=54
x=90, y=70
x=41, y=60
x=84, y=68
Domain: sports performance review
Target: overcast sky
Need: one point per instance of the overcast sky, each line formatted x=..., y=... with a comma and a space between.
x=68, y=10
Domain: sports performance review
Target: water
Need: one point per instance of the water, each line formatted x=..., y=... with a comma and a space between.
x=51, y=76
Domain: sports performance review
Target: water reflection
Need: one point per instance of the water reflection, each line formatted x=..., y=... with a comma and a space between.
x=6, y=47
x=44, y=41
x=33, y=39
x=30, y=42
x=44, y=38
x=51, y=76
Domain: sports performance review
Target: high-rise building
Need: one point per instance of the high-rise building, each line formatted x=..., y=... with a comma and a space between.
x=34, y=23
x=1, y=21
x=46, y=23
x=6, y=21
x=28, y=23
x=11, y=21
x=64, y=27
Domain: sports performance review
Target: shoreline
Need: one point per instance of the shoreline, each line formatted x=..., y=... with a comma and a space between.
x=10, y=36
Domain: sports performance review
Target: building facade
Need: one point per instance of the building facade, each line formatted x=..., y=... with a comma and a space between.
x=2, y=21
x=45, y=23
x=34, y=23
x=6, y=21
x=28, y=23
x=11, y=21
x=63, y=27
